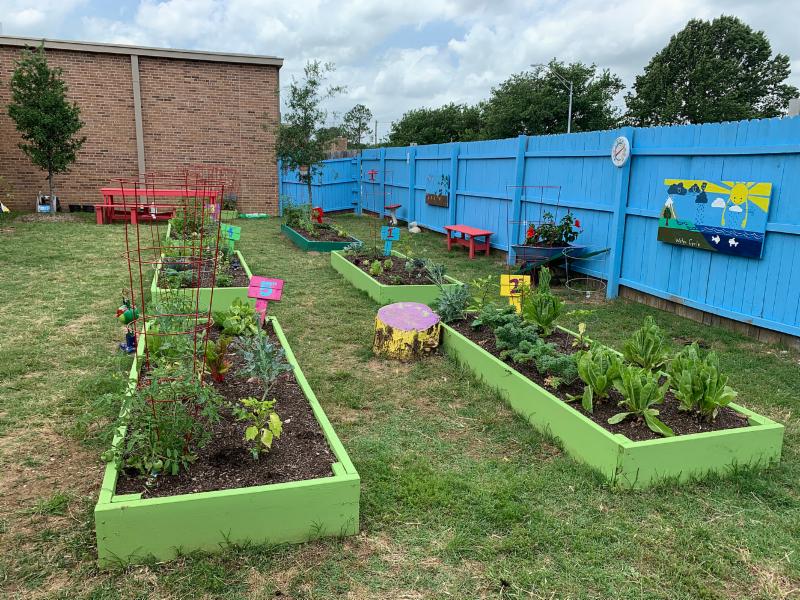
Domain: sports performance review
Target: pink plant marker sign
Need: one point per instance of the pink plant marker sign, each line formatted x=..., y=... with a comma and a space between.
x=264, y=289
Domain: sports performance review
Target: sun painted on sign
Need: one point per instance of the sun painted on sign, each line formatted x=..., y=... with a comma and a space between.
x=729, y=217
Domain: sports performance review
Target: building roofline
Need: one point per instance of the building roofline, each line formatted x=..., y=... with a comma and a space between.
x=101, y=48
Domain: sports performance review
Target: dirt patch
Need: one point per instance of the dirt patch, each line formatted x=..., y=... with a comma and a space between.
x=325, y=232
x=681, y=422
x=204, y=273
x=301, y=453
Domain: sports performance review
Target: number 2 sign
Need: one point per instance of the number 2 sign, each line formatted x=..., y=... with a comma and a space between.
x=512, y=287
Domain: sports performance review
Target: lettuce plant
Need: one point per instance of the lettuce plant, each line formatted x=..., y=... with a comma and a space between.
x=239, y=319
x=641, y=392
x=698, y=384
x=598, y=368
x=646, y=347
x=542, y=307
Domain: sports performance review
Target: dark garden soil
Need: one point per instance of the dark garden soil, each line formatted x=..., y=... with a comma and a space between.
x=325, y=233
x=235, y=270
x=681, y=422
x=300, y=453
x=396, y=275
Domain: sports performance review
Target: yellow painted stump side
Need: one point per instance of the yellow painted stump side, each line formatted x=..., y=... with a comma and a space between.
x=402, y=344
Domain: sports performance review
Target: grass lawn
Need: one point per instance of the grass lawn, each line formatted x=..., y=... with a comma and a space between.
x=460, y=497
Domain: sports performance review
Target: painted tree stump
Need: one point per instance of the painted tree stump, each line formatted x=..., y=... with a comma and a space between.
x=405, y=331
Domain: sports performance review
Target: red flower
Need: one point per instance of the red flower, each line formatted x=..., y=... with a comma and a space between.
x=531, y=231
x=577, y=223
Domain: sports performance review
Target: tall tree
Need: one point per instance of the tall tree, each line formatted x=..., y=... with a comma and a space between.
x=449, y=123
x=48, y=123
x=302, y=136
x=536, y=102
x=356, y=124
x=712, y=71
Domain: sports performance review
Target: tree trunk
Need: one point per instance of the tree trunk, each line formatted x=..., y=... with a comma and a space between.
x=406, y=331
x=308, y=183
x=52, y=199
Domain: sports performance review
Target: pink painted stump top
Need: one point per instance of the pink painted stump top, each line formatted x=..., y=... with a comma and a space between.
x=408, y=316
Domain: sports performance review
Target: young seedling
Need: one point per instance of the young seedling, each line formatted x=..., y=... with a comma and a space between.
x=265, y=424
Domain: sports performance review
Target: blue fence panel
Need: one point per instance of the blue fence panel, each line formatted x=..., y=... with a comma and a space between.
x=617, y=208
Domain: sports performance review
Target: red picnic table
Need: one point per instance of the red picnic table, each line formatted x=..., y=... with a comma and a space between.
x=133, y=202
x=472, y=232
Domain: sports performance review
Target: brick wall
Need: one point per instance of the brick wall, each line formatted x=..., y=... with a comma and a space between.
x=193, y=111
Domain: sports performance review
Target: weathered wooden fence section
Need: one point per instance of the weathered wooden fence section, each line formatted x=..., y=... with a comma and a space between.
x=501, y=184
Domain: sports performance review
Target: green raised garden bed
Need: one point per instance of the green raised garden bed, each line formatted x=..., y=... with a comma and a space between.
x=310, y=245
x=222, y=299
x=624, y=462
x=386, y=294
x=132, y=529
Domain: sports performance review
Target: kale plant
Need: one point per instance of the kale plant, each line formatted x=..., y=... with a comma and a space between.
x=262, y=359
x=452, y=303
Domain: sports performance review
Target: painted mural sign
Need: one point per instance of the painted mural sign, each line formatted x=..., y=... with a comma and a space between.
x=437, y=191
x=729, y=217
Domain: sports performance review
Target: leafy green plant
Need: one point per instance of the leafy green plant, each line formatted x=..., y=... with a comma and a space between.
x=494, y=316
x=542, y=307
x=598, y=368
x=697, y=382
x=217, y=363
x=388, y=264
x=552, y=234
x=481, y=292
x=510, y=336
x=376, y=268
x=452, y=303
x=546, y=359
x=265, y=424
x=353, y=248
x=262, y=359
x=166, y=420
x=240, y=319
x=646, y=347
x=435, y=272
x=298, y=217
x=641, y=392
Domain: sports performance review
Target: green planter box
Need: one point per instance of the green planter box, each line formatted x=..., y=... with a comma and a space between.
x=310, y=245
x=624, y=462
x=131, y=529
x=222, y=298
x=386, y=294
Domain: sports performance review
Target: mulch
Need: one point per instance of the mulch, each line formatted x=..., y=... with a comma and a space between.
x=681, y=422
x=301, y=453
x=235, y=269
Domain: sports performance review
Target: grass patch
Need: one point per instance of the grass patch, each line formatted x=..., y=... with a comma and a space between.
x=460, y=497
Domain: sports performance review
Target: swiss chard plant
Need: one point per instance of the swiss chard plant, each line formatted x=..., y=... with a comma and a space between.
x=698, y=384
x=646, y=347
x=598, y=368
x=641, y=394
x=264, y=424
x=262, y=359
x=240, y=319
x=217, y=361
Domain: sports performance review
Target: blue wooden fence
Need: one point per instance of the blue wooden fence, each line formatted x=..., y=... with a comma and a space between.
x=493, y=185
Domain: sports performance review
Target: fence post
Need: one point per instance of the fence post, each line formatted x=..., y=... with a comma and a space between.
x=617, y=237
x=280, y=188
x=455, y=151
x=383, y=182
x=516, y=202
x=411, y=214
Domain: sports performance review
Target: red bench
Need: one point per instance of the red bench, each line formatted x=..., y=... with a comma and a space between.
x=471, y=243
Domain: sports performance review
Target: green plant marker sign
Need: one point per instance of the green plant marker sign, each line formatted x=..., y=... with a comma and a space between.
x=231, y=233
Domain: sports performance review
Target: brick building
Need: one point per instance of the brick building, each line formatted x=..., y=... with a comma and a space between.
x=150, y=109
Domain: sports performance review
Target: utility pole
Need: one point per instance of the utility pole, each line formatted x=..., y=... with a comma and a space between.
x=567, y=85
x=376, y=132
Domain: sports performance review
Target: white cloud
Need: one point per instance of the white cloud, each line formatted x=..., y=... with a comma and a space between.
x=394, y=56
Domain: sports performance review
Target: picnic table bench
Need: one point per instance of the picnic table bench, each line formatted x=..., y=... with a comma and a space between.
x=470, y=242
x=134, y=202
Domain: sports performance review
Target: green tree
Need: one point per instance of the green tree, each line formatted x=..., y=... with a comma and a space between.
x=449, y=123
x=356, y=124
x=302, y=136
x=536, y=102
x=46, y=120
x=711, y=71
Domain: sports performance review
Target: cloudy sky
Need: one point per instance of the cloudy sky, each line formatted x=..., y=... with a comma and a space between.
x=398, y=55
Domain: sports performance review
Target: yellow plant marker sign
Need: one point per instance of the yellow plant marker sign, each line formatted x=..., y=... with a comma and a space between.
x=511, y=286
